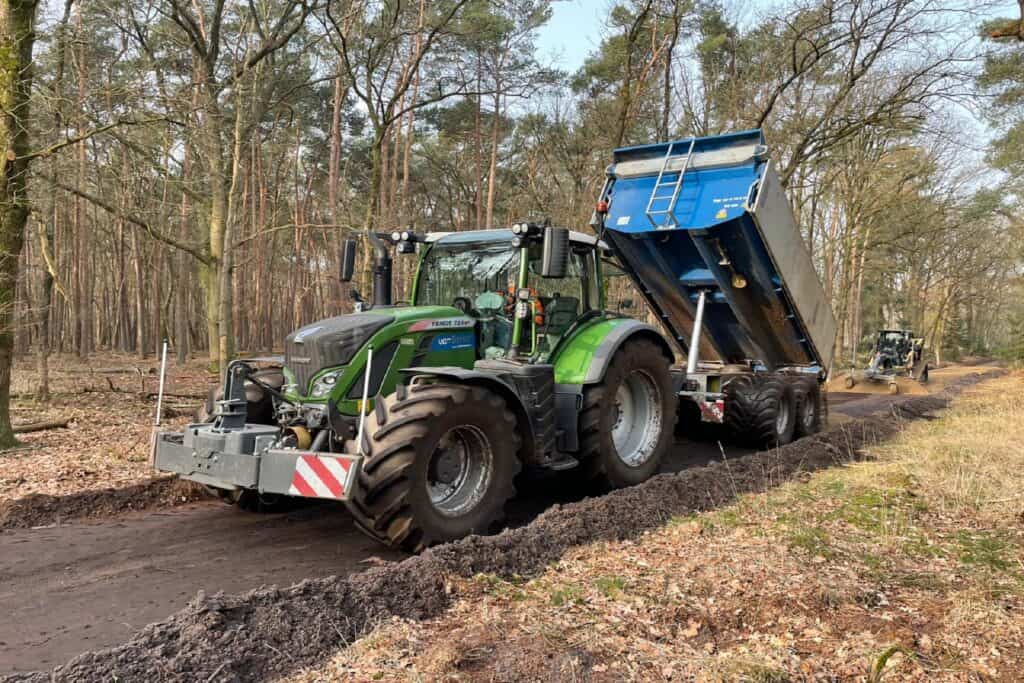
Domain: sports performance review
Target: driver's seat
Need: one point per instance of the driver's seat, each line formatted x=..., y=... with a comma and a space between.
x=559, y=313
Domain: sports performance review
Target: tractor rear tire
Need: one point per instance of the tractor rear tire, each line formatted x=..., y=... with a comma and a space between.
x=810, y=408
x=440, y=463
x=628, y=419
x=760, y=410
x=259, y=408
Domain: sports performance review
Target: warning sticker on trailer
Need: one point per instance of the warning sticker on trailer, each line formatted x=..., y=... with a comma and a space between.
x=622, y=220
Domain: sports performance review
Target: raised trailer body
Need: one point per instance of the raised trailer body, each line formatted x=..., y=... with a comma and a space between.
x=704, y=230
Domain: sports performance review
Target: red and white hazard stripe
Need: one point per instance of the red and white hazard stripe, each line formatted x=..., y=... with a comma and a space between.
x=320, y=476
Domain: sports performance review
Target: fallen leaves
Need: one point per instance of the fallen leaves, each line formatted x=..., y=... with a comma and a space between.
x=106, y=444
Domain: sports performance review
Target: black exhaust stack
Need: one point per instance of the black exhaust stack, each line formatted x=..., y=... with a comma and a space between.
x=381, y=271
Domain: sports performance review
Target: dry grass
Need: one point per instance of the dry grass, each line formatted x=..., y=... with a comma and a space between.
x=907, y=567
x=968, y=463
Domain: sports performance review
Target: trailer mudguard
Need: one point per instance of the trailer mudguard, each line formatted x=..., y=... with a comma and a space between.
x=584, y=357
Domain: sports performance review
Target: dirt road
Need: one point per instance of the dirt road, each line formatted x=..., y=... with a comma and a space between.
x=81, y=586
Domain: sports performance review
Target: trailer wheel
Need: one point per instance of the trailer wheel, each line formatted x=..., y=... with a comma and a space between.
x=440, y=464
x=628, y=419
x=259, y=408
x=923, y=377
x=849, y=382
x=809, y=409
x=760, y=410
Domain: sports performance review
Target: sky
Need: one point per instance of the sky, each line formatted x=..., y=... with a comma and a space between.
x=575, y=28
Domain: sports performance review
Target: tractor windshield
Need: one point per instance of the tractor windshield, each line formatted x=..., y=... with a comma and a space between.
x=461, y=274
x=480, y=279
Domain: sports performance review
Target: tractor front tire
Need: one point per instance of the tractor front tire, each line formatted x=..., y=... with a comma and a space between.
x=628, y=419
x=760, y=410
x=259, y=408
x=251, y=500
x=440, y=463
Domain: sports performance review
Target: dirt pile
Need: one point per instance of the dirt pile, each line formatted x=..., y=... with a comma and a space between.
x=39, y=509
x=269, y=632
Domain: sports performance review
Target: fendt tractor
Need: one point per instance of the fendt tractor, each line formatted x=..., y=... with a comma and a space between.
x=896, y=354
x=419, y=416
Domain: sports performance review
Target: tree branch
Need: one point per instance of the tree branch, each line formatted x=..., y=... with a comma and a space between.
x=87, y=135
x=193, y=250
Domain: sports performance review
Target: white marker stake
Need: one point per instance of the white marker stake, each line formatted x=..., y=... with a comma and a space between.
x=362, y=406
x=160, y=393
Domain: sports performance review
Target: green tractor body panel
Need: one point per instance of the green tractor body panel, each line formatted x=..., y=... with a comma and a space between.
x=576, y=354
x=422, y=336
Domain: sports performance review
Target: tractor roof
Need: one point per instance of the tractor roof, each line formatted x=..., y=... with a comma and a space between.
x=471, y=236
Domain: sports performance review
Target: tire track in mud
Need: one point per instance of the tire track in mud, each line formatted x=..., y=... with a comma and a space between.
x=270, y=632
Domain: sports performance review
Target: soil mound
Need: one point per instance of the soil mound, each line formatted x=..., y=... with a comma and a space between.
x=42, y=510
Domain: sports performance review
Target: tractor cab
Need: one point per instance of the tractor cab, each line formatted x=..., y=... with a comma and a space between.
x=479, y=274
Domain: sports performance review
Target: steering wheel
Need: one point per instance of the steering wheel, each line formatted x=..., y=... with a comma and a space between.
x=463, y=304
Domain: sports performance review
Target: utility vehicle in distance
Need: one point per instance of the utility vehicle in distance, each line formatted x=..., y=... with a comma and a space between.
x=897, y=353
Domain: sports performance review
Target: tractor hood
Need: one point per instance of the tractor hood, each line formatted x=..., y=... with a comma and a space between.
x=329, y=343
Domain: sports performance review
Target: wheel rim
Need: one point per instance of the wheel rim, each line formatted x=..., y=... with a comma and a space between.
x=459, y=470
x=810, y=410
x=782, y=417
x=637, y=424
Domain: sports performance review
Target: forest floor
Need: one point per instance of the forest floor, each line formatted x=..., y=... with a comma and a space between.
x=909, y=565
x=109, y=402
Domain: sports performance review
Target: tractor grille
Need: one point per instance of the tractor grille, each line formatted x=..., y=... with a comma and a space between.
x=329, y=343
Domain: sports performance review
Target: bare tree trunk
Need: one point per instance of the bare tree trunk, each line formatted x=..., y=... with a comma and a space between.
x=492, y=173
x=478, y=200
x=182, y=266
x=17, y=34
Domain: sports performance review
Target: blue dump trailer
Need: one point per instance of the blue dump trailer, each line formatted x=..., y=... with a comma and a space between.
x=703, y=228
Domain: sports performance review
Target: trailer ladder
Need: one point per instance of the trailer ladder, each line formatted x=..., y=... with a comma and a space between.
x=664, y=218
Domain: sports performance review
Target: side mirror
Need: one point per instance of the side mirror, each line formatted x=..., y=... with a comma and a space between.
x=555, y=256
x=348, y=260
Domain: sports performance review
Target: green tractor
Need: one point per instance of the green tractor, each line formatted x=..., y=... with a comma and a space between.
x=419, y=416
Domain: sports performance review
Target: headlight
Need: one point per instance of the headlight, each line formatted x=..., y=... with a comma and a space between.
x=324, y=384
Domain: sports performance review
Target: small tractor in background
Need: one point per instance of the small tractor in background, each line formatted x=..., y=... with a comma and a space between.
x=896, y=354
x=419, y=416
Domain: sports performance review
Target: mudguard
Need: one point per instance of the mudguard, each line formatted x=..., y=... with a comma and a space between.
x=584, y=357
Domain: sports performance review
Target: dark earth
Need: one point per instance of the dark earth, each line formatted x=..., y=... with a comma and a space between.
x=86, y=586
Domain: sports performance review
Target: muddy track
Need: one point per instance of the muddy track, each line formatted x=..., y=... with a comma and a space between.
x=269, y=632
x=42, y=510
